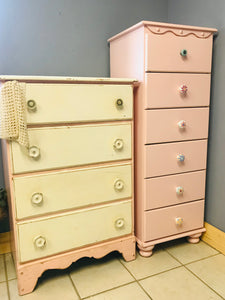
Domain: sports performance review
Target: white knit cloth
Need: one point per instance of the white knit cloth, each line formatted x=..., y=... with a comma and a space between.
x=13, y=123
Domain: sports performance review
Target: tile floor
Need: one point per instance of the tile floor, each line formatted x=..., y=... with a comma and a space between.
x=177, y=270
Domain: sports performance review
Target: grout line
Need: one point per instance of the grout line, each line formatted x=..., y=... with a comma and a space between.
x=6, y=277
x=194, y=261
x=203, y=282
x=74, y=286
x=185, y=266
x=136, y=280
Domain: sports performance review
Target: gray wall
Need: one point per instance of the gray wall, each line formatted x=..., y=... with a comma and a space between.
x=66, y=37
x=211, y=14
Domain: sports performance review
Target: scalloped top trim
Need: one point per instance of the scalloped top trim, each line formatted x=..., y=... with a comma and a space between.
x=179, y=32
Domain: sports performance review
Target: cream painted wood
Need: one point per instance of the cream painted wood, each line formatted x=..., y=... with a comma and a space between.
x=174, y=189
x=66, y=103
x=72, y=146
x=74, y=229
x=162, y=90
x=163, y=54
x=161, y=222
x=161, y=159
x=163, y=125
x=71, y=189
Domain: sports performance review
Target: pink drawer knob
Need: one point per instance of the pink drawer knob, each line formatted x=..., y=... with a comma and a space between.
x=37, y=198
x=179, y=221
x=182, y=124
x=183, y=89
x=119, y=223
x=118, y=144
x=119, y=185
x=179, y=190
x=39, y=241
x=180, y=157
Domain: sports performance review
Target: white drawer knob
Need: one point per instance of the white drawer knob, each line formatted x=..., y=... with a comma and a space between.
x=181, y=124
x=34, y=152
x=119, y=223
x=31, y=105
x=183, y=89
x=179, y=190
x=37, y=198
x=179, y=221
x=118, y=144
x=180, y=157
x=119, y=185
x=39, y=241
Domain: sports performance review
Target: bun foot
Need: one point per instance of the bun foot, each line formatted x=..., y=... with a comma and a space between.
x=145, y=251
x=194, y=239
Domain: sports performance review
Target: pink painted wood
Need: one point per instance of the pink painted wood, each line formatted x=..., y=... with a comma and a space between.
x=150, y=51
x=161, y=191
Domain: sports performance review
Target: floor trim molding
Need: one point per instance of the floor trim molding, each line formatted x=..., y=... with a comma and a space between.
x=214, y=237
x=5, y=242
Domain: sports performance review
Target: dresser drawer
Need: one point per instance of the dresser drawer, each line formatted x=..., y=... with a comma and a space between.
x=43, y=237
x=61, y=147
x=165, y=125
x=64, y=103
x=43, y=193
x=163, y=53
x=167, y=90
x=164, y=222
x=162, y=159
x=174, y=189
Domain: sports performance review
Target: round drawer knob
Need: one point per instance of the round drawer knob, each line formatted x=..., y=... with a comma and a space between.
x=31, y=105
x=119, y=103
x=181, y=124
x=183, y=52
x=179, y=221
x=118, y=185
x=179, y=190
x=118, y=144
x=40, y=241
x=119, y=223
x=183, y=89
x=37, y=198
x=180, y=157
x=34, y=152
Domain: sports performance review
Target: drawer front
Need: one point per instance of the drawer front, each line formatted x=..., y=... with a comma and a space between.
x=45, y=237
x=43, y=193
x=174, y=189
x=61, y=147
x=163, y=159
x=163, y=53
x=162, y=222
x=165, y=125
x=168, y=90
x=63, y=103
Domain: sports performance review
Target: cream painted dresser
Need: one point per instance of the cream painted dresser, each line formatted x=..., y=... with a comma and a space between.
x=173, y=65
x=71, y=192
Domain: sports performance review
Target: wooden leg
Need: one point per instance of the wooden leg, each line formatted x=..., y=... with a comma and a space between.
x=194, y=239
x=145, y=251
x=27, y=279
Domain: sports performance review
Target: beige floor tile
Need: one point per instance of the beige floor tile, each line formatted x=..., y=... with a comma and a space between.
x=145, y=266
x=3, y=291
x=10, y=268
x=2, y=269
x=56, y=287
x=186, y=252
x=94, y=276
x=177, y=284
x=212, y=272
x=130, y=291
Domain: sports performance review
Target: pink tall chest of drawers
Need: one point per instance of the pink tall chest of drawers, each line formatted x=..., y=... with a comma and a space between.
x=71, y=193
x=173, y=64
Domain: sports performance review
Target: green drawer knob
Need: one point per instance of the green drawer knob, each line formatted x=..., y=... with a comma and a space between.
x=119, y=102
x=183, y=52
x=31, y=105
